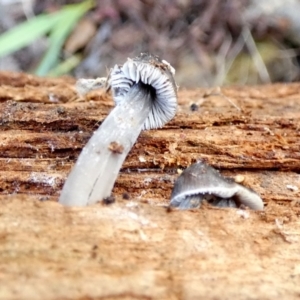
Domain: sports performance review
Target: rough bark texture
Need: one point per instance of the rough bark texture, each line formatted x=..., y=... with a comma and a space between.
x=137, y=249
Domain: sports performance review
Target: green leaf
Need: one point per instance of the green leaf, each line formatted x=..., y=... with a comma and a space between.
x=66, y=66
x=68, y=19
x=23, y=34
x=59, y=25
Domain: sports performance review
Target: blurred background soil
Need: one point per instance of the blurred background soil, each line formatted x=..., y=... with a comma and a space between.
x=209, y=42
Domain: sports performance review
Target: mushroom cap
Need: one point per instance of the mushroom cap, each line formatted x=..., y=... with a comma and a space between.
x=151, y=71
x=200, y=178
x=206, y=182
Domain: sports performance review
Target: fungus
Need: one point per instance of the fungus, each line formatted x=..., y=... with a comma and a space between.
x=201, y=182
x=145, y=94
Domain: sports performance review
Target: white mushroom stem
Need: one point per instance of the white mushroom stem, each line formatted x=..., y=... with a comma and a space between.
x=94, y=174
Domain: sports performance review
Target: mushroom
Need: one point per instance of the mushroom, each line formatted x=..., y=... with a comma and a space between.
x=145, y=94
x=201, y=182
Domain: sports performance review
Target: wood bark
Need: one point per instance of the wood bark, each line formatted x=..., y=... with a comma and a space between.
x=44, y=128
x=135, y=249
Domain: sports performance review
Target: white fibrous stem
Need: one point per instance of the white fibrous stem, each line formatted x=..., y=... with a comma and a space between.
x=94, y=174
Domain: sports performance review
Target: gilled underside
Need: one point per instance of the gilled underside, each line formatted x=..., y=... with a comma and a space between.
x=150, y=71
x=196, y=200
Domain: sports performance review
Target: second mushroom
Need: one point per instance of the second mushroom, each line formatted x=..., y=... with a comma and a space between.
x=200, y=182
x=145, y=94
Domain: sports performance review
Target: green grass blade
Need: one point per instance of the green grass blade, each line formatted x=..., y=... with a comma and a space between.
x=66, y=66
x=23, y=34
x=70, y=16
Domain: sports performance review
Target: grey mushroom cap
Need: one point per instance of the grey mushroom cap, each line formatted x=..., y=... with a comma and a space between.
x=151, y=71
x=202, y=182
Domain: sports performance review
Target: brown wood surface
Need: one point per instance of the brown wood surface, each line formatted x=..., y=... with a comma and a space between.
x=135, y=249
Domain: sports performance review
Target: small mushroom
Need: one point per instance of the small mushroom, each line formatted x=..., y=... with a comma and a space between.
x=145, y=94
x=201, y=182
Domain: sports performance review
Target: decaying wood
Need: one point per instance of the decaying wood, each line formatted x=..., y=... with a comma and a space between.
x=40, y=140
x=135, y=249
